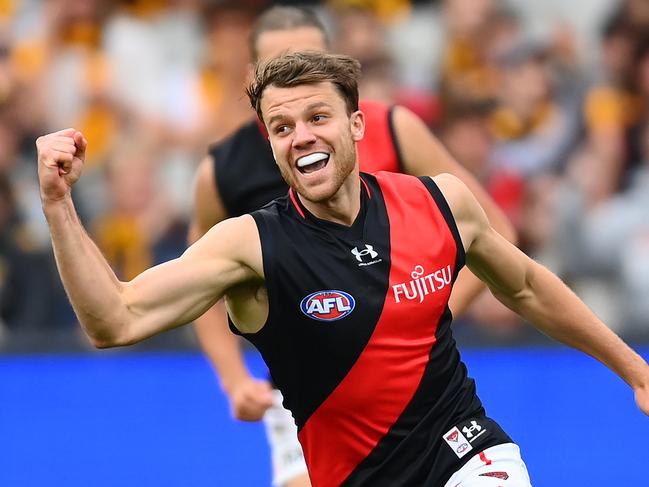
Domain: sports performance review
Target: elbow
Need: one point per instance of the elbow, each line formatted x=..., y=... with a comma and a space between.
x=102, y=344
x=102, y=341
x=107, y=339
x=105, y=342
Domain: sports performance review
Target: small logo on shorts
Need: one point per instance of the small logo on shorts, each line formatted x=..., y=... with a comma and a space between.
x=330, y=305
x=457, y=441
x=473, y=430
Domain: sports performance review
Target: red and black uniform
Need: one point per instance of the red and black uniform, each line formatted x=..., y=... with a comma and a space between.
x=358, y=337
x=246, y=174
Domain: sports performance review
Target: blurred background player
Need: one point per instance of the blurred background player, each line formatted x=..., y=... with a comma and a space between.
x=239, y=176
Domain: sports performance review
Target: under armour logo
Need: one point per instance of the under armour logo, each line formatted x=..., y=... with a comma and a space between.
x=470, y=430
x=368, y=250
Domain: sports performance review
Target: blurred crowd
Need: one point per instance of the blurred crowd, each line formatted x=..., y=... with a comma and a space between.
x=545, y=102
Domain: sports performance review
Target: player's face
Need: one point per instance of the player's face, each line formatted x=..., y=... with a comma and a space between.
x=312, y=136
x=271, y=44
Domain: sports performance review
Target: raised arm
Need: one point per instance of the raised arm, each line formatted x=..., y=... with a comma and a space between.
x=249, y=397
x=119, y=313
x=538, y=295
x=424, y=155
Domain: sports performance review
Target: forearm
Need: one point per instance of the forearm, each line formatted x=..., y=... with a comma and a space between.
x=555, y=310
x=91, y=285
x=168, y=295
x=221, y=346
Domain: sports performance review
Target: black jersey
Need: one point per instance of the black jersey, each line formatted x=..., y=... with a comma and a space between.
x=247, y=177
x=358, y=337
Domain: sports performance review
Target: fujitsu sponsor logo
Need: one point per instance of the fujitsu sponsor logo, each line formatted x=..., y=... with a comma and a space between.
x=422, y=284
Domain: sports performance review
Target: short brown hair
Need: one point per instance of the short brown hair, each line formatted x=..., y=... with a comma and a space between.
x=284, y=18
x=301, y=68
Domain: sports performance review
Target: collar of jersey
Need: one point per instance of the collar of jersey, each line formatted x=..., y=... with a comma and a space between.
x=357, y=226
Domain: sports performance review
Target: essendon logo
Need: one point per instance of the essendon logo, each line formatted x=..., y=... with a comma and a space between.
x=457, y=441
x=328, y=305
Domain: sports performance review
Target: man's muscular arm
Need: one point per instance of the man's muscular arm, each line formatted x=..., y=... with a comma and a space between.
x=424, y=155
x=249, y=398
x=537, y=294
x=117, y=313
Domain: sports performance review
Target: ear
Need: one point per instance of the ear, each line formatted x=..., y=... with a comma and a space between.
x=272, y=149
x=357, y=125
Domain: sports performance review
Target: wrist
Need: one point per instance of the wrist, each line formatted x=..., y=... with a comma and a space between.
x=638, y=379
x=54, y=206
x=230, y=383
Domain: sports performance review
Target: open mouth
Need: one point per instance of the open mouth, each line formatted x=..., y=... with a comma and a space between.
x=313, y=162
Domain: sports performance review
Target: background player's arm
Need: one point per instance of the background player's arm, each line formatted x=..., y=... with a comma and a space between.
x=249, y=398
x=537, y=294
x=118, y=313
x=424, y=155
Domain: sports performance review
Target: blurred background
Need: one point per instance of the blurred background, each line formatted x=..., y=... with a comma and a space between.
x=546, y=102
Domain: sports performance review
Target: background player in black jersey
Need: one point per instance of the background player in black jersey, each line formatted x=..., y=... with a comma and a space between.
x=308, y=102
x=246, y=177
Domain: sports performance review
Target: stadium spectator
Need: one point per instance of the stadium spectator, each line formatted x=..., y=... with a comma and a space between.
x=29, y=291
x=141, y=227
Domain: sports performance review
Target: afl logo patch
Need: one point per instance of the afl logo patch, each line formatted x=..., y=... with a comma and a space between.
x=328, y=305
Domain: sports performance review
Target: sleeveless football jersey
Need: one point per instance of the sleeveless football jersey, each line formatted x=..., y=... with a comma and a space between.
x=358, y=337
x=246, y=174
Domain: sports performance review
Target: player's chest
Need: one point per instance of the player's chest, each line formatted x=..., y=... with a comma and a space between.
x=348, y=280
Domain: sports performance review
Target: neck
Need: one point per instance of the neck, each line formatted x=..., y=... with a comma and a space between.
x=342, y=207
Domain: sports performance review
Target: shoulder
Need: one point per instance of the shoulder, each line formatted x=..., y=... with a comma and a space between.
x=467, y=212
x=205, y=171
x=456, y=193
x=208, y=208
x=231, y=232
x=243, y=226
x=403, y=117
x=422, y=153
x=236, y=239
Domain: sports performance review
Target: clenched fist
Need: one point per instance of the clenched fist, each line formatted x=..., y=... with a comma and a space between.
x=60, y=160
x=250, y=398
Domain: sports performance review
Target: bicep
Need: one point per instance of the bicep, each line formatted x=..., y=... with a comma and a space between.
x=179, y=291
x=501, y=265
x=496, y=261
